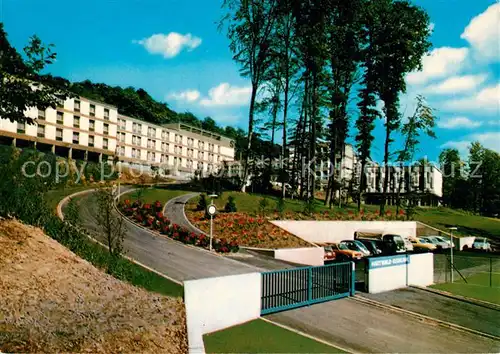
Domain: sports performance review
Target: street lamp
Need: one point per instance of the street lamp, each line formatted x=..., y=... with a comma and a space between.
x=451, y=249
x=212, y=209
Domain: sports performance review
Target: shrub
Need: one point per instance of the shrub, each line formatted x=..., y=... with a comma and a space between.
x=263, y=204
x=309, y=206
x=230, y=205
x=280, y=206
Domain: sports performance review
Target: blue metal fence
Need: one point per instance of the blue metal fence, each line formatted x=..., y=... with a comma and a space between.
x=291, y=288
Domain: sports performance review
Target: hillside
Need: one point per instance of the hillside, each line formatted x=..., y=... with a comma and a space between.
x=53, y=301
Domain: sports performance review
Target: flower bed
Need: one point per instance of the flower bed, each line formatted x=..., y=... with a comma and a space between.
x=151, y=216
x=247, y=230
x=256, y=231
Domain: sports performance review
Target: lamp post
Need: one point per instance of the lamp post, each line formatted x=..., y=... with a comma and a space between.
x=451, y=249
x=211, y=211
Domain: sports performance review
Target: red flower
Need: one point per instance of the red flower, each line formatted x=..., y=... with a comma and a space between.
x=401, y=212
x=146, y=206
x=388, y=212
x=127, y=202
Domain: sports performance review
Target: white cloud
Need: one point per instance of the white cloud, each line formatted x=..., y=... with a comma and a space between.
x=459, y=122
x=440, y=63
x=457, y=84
x=227, y=95
x=188, y=95
x=486, y=101
x=483, y=34
x=494, y=122
x=489, y=140
x=169, y=45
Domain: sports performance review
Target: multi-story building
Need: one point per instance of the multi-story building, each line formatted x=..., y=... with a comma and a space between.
x=84, y=129
x=422, y=180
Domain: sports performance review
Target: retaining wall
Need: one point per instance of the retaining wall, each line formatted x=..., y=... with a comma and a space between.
x=313, y=256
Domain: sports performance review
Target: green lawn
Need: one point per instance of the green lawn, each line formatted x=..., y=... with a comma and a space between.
x=262, y=337
x=54, y=196
x=151, y=195
x=467, y=224
x=477, y=287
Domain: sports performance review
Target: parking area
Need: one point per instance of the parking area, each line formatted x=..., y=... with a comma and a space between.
x=361, y=327
x=465, y=314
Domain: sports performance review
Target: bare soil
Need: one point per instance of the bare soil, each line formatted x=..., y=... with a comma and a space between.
x=53, y=301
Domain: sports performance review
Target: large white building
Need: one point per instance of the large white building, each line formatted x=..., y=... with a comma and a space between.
x=84, y=129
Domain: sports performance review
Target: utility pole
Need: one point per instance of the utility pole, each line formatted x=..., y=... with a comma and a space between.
x=451, y=249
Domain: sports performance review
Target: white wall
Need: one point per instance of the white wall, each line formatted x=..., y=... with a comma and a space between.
x=421, y=269
x=213, y=304
x=309, y=256
x=395, y=272
x=335, y=231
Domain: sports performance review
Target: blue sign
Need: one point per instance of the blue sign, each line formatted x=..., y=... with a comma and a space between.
x=389, y=261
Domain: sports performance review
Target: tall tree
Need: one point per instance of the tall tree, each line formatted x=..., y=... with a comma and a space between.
x=23, y=85
x=422, y=121
x=249, y=26
x=454, y=181
x=368, y=112
x=343, y=31
x=401, y=39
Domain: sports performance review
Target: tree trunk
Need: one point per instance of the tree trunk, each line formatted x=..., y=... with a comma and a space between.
x=250, y=134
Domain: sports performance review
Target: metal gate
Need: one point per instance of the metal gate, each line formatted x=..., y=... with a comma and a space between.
x=291, y=288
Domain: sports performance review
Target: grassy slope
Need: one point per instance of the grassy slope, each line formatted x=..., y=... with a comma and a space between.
x=262, y=337
x=477, y=288
x=151, y=195
x=54, y=196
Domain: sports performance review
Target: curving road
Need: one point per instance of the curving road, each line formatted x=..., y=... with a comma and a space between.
x=166, y=256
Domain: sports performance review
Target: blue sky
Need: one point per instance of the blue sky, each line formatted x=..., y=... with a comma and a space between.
x=173, y=50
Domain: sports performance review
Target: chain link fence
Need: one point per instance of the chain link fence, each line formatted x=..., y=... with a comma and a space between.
x=473, y=270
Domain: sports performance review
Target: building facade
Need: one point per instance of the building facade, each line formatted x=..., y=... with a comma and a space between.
x=84, y=129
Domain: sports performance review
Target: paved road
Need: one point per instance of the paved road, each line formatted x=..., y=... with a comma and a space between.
x=443, y=308
x=167, y=256
x=363, y=328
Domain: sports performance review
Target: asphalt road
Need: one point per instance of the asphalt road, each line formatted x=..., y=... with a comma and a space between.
x=363, y=328
x=443, y=308
x=167, y=256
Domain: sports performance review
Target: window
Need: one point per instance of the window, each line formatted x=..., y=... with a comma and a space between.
x=60, y=118
x=122, y=137
x=40, y=132
x=134, y=152
x=200, y=155
x=106, y=114
x=105, y=129
x=153, y=156
x=21, y=127
x=190, y=141
x=104, y=143
x=76, y=122
x=201, y=145
x=164, y=135
x=162, y=158
x=91, y=125
x=76, y=138
x=178, y=138
x=91, y=140
x=164, y=147
x=92, y=110
x=41, y=114
x=151, y=132
x=139, y=140
x=122, y=124
x=77, y=106
x=121, y=151
x=59, y=134
x=151, y=144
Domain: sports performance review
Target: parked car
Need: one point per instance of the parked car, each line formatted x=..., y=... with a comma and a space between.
x=440, y=243
x=356, y=245
x=394, y=243
x=446, y=240
x=342, y=252
x=408, y=245
x=420, y=244
x=481, y=243
x=329, y=254
x=376, y=247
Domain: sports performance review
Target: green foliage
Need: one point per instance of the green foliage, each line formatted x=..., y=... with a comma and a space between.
x=280, y=206
x=230, y=205
x=19, y=76
x=202, y=202
x=263, y=205
x=72, y=213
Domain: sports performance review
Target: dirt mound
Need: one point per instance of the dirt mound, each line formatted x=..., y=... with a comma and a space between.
x=53, y=301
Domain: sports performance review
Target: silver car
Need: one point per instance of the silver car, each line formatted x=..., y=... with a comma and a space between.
x=437, y=241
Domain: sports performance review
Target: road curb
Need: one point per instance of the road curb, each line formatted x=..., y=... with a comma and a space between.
x=423, y=317
x=61, y=216
x=470, y=300
x=308, y=335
